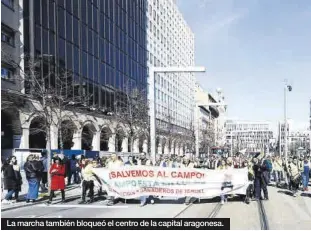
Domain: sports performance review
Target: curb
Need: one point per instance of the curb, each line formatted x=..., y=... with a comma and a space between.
x=32, y=204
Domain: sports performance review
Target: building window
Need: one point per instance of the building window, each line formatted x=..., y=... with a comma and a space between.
x=8, y=3
x=7, y=35
x=6, y=72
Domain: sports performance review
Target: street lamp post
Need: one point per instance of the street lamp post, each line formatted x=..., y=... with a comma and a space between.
x=286, y=88
x=152, y=72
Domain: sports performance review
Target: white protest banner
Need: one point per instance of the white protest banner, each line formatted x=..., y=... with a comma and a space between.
x=135, y=181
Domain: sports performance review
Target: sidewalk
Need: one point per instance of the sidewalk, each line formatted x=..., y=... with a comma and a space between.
x=72, y=190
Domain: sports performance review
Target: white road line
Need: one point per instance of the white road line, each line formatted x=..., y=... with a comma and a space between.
x=82, y=206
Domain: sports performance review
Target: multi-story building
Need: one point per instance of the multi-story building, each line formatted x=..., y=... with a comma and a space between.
x=12, y=39
x=220, y=121
x=170, y=42
x=252, y=136
x=210, y=119
x=298, y=140
x=101, y=44
x=281, y=135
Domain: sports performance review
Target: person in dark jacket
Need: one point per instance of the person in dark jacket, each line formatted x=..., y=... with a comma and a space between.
x=261, y=179
x=32, y=172
x=72, y=170
x=12, y=179
x=44, y=179
x=40, y=169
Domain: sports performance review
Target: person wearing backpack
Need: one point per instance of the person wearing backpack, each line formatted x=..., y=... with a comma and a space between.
x=268, y=164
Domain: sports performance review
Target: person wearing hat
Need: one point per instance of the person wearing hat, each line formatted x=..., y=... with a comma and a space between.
x=57, y=172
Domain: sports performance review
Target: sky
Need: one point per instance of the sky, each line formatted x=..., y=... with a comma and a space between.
x=249, y=48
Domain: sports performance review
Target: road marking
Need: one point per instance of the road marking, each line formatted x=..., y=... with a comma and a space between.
x=36, y=216
x=82, y=206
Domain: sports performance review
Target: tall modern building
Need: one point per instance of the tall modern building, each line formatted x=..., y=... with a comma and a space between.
x=170, y=42
x=298, y=140
x=12, y=38
x=248, y=135
x=101, y=44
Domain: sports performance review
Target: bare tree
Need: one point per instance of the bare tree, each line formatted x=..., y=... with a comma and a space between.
x=189, y=138
x=131, y=108
x=51, y=95
x=169, y=130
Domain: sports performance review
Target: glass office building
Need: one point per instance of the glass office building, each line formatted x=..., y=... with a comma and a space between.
x=102, y=42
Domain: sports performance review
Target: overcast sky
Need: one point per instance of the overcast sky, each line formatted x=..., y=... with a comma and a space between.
x=249, y=47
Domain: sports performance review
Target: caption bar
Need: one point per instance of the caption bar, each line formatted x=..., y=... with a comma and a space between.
x=115, y=224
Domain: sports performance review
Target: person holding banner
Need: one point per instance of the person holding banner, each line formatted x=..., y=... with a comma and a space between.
x=166, y=162
x=225, y=164
x=188, y=164
x=144, y=161
x=129, y=162
x=112, y=163
x=89, y=178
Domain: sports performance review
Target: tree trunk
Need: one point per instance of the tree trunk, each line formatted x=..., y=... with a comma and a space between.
x=132, y=142
x=49, y=157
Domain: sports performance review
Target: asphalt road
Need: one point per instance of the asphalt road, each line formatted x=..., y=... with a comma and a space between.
x=283, y=211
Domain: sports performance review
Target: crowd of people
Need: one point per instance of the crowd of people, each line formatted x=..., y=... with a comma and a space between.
x=292, y=174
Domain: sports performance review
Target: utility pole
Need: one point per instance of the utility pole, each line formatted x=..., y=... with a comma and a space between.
x=286, y=88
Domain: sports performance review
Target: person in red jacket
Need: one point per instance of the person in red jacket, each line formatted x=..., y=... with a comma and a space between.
x=57, y=172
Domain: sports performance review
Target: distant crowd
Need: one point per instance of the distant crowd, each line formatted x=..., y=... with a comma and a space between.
x=64, y=171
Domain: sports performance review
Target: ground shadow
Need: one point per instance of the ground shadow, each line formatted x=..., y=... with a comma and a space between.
x=305, y=194
x=285, y=192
